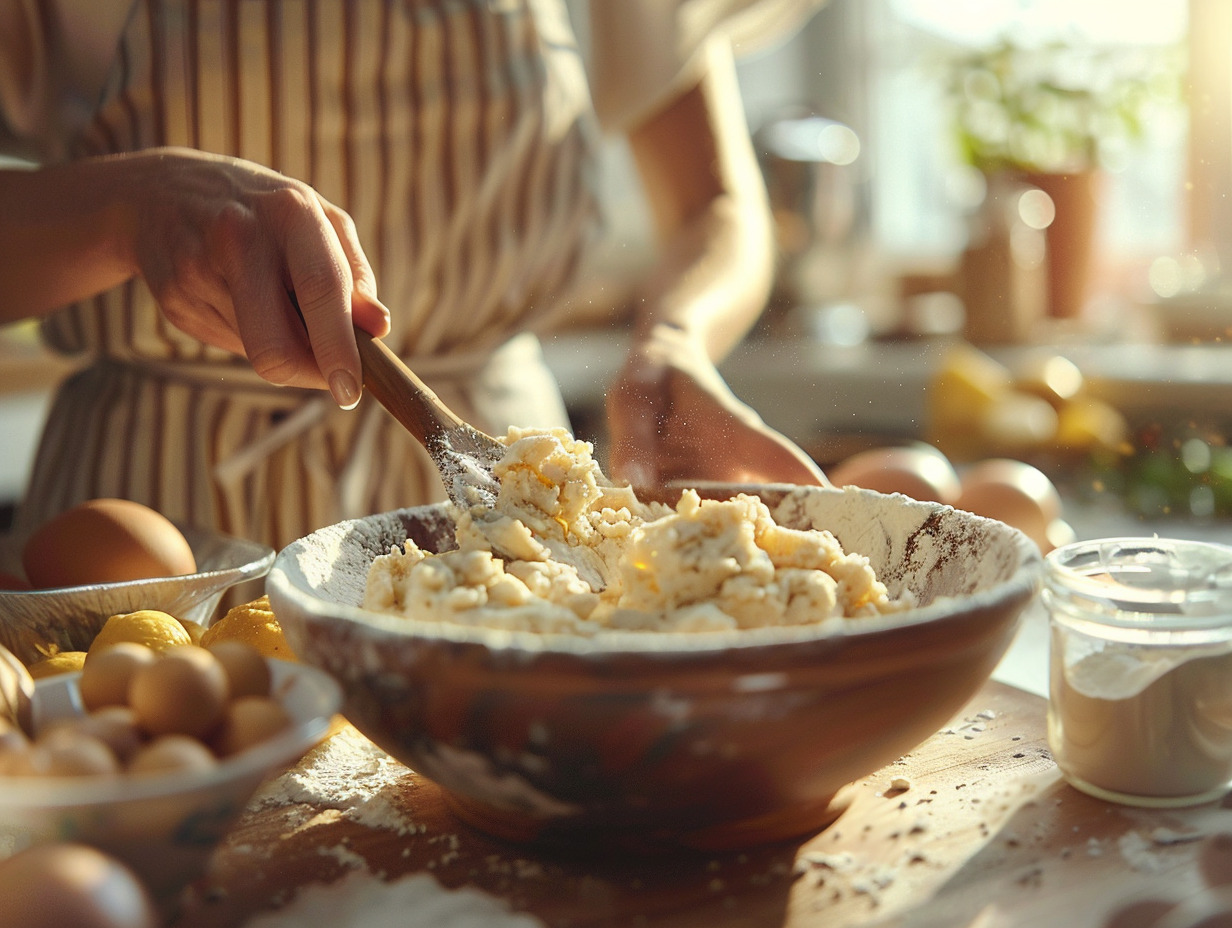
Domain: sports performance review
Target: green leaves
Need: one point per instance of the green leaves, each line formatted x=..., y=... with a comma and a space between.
x=1056, y=107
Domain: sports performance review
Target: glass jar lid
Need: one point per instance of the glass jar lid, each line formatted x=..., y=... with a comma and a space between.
x=1156, y=584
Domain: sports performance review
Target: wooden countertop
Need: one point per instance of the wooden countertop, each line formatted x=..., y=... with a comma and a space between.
x=973, y=828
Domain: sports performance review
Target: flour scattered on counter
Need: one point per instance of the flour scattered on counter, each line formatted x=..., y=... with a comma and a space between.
x=361, y=900
x=1136, y=851
x=972, y=726
x=1165, y=835
x=350, y=774
x=1149, y=854
x=838, y=863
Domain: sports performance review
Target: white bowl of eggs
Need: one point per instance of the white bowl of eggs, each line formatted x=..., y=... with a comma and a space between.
x=150, y=758
x=105, y=557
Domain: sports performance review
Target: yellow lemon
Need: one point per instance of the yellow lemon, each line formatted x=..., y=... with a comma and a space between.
x=968, y=382
x=1088, y=424
x=154, y=629
x=61, y=662
x=254, y=624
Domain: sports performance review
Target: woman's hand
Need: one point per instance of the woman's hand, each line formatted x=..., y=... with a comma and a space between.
x=670, y=414
x=222, y=244
x=671, y=417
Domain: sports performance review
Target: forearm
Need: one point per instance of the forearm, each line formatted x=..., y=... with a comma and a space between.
x=222, y=244
x=63, y=236
x=712, y=281
x=700, y=172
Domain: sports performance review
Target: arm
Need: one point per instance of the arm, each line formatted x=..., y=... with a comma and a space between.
x=670, y=414
x=708, y=201
x=220, y=242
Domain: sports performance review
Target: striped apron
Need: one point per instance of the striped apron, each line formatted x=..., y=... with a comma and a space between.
x=457, y=134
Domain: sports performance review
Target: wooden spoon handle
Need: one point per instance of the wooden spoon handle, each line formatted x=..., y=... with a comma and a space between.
x=396, y=387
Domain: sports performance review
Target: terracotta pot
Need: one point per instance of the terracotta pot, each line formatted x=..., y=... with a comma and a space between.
x=1071, y=238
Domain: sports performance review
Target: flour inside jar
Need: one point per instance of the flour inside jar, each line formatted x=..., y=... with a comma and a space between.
x=1143, y=722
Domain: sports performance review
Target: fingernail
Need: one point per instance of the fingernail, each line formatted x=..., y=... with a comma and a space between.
x=345, y=389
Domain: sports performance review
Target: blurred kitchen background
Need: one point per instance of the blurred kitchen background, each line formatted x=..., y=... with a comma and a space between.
x=1003, y=227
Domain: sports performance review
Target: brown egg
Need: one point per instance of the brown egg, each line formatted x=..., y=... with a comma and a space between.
x=250, y=721
x=183, y=692
x=918, y=471
x=114, y=726
x=1015, y=493
x=247, y=671
x=10, y=581
x=106, y=674
x=105, y=541
x=58, y=885
x=64, y=752
x=13, y=746
x=172, y=754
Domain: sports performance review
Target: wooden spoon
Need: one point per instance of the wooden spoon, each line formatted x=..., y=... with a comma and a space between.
x=464, y=455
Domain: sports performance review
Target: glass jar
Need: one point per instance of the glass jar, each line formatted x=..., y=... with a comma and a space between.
x=1140, y=668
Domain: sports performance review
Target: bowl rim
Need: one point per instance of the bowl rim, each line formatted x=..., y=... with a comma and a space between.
x=1022, y=584
x=253, y=559
x=31, y=794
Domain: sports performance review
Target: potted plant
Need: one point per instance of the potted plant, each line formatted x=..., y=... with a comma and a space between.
x=1054, y=115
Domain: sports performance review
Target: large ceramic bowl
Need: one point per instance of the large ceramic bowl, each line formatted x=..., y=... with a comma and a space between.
x=710, y=739
x=68, y=618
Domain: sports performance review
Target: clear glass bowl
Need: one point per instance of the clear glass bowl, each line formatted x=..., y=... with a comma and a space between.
x=68, y=618
x=164, y=826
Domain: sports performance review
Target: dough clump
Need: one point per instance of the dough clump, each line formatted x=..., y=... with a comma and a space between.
x=568, y=550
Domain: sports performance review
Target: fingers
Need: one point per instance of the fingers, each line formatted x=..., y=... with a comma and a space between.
x=207, y=318
x=291, y=275
x=321, y=279
x=638, y=405
x=668, y=425
x=366, y=310
x=254, y=262
x=251, y=264
x=773, y=458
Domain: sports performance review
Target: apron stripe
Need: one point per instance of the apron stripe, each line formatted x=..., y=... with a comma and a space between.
x=273, y=73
